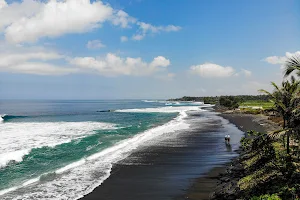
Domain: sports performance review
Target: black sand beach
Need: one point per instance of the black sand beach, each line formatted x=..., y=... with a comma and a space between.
x=204, y=186
x=182, y=167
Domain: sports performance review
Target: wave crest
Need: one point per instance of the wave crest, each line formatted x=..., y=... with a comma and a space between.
x=5, y=117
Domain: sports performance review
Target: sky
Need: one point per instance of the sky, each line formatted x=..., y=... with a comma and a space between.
x=144, y=49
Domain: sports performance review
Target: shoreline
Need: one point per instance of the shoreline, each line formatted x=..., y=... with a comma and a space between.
x=165, y=171
x=205, y=187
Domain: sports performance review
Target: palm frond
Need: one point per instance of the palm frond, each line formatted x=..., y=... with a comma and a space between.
x=275, y=86
x=291, y=64
x=278, y=133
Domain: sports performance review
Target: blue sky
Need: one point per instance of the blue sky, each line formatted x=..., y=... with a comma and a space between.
x=73, y=49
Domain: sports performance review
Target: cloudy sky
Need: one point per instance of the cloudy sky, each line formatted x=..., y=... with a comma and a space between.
x=82, y=49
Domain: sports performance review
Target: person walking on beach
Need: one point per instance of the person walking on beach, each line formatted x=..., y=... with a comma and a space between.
x=227, y=139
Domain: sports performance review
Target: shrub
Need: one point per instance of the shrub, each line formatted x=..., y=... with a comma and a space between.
x=267, y=197
x=229, y=101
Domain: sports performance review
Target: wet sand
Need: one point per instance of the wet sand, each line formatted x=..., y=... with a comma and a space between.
x=185, y=166
x=204, y=186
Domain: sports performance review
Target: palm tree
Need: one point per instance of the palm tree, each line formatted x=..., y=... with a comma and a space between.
x=292, y=64
x=284, y=99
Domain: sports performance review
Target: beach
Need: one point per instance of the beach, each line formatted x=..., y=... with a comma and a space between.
x=179, y=168
x=148, y=151
x=204, y=187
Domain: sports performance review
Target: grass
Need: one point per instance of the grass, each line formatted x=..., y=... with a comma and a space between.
x=263, y=104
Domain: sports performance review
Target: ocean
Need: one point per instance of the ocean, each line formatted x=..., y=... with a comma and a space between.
x=65, y=149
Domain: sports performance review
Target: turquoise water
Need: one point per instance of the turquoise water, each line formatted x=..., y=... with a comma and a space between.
x=38, y=138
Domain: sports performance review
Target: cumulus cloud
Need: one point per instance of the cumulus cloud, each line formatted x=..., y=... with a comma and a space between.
x=2, y=4
x=39, y=68
x=212, y=70
x=113, y=65
x=281, y=59
x=160, y=61
x=33, y=63
x=39, y=61
x=29, y=20
x=275, y=60
x=56, y=18
x=94, y=44
x=124, y=39
x=145, y=29
x=17, y=10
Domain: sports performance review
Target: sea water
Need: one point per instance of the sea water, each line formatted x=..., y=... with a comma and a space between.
x=64, y=149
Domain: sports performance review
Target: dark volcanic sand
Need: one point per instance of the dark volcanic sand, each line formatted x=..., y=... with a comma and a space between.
x=204, y=186
x=170, y=168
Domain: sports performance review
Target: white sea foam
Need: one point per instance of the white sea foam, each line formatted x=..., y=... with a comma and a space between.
x=16, y=156
x=154, y=101
x=167, y=109
x=184, y=103
x=81, y=177
x=2, y=117
x=17, y=139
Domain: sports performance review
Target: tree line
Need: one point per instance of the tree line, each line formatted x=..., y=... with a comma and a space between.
x=227, y=101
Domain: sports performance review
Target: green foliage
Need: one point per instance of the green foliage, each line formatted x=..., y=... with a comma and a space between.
x=267, y=197
x=292, y=64
x=256, y=103
x=206, y=100
x=289, y=192
x=248, y=141
x=229, y=101
x=286, y=103
x=245, y=143
x=215, y=99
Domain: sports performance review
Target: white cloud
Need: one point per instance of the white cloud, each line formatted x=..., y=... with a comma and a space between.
x=281, y=59
x=288, y=54
x=29, y=20
x=40, y=61
x=15, y=58
x=39, y=68
x=122, y=19
x=16, y=11
x=34, y=62
x=56, y=18
x=155, y=29
x=275, y=60
x=113, y=65
x=212, y=70
x=94, y=44
x=247, y=73
x=123, y=39
x=2, y=4
x=160, y=61
x=145, y=28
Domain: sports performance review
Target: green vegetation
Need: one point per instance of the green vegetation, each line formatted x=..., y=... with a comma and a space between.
x=255, y=103
x=230, y=100
x=207, y=100
x=268, y=171
x=270, y=162
x=266, y=197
